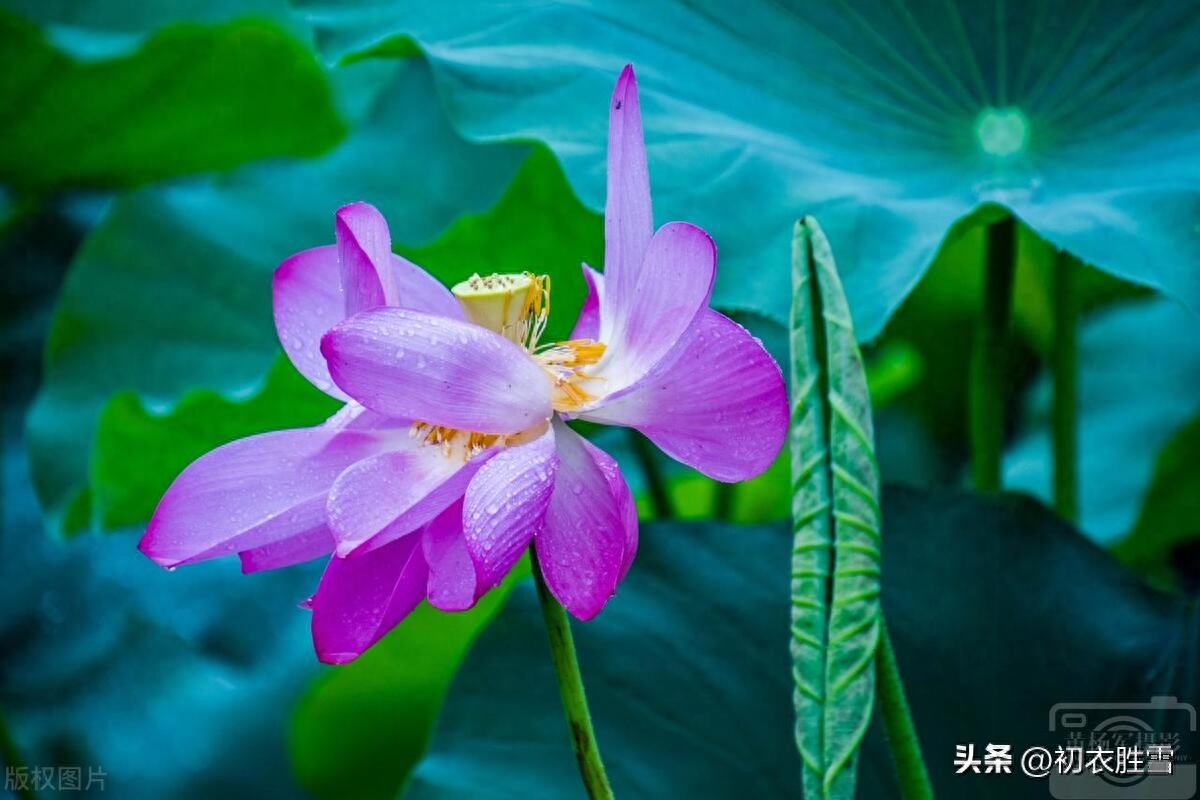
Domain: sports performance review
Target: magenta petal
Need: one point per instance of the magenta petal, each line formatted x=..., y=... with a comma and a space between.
x=409, y=365
x=625, y=504
x=717, y=404
x=252, y=493
x=364, y=248
x=382, y=498
x=628, y=222
x=360, y=599
x=420, y=291
x=506, y=505
x=582, y=546
x=588, y=324
x=452, y=583
x=672, y=288
x=311, y=544
x=307, y=301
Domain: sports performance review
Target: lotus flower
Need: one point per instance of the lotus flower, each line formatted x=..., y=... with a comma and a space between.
x=452, y=455
x=265, y=497
x=646, y=353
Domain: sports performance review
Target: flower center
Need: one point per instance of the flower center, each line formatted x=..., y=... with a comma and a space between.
x=455, y=444
x=517, y=306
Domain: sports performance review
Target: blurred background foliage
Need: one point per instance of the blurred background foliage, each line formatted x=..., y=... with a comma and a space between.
x=159, y=159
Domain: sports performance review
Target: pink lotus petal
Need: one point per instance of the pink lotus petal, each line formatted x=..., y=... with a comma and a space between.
x=628, y=222
x=253, y=492
x=307, y=289
x=420, y=291
x=311, y=544
x=452, y=582
x=364, y=248
x=361, y=599
x=410, y=365
x=718, y=404
x=625, y=504
x=588, y=324
x=506, y=505
x=672, y=288
x=382, y=498
x=307, y=303
x=582, y=546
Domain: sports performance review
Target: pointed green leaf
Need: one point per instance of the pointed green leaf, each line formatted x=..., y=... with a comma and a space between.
x=836, y=524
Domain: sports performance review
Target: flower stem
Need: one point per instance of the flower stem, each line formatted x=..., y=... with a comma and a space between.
x=660, y=497
x=11, y=756
x=570, y=686
x=898, y=724
x=1066, y=387
x=989, y=363
x=723, y=497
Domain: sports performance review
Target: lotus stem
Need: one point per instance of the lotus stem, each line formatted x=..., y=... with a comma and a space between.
x=989, y=367
x=660, y=496
x=570, y=686
x=898, y=724
x=1065, y=412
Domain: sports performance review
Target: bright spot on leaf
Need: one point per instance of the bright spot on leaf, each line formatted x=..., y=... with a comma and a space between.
x=1002, y=131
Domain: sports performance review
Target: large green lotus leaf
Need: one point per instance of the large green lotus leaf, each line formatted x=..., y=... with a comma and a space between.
x=887, y=121
x=1134, y=393
x=991, y=601
x=172, y=290
x=101, y=29
x=192, y=98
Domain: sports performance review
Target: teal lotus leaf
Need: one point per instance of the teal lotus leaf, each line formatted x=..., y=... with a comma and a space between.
x=1134, y=394
x=887, y=121
x=687, y=674
x=172, y=290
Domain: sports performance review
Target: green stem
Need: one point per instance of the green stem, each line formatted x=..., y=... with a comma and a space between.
x=723, y=496
x=898, y=724
x=1066, y=387
x=11, y=756
x=570, y=686
x=989, y=367
x=660, y=497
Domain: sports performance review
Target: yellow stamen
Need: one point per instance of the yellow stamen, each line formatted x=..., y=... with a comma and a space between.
x=564, y=363
x=454, y=443
x=517, y=307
